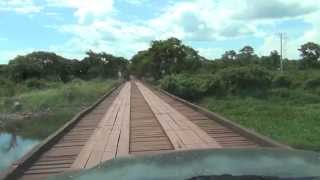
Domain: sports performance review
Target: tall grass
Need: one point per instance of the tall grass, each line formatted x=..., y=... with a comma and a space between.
x=289, y=116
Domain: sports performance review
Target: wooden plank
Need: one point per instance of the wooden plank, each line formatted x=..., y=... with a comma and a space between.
x=114, y=135
x=182, y=133
x=106, y=136
x=98, y=150
x=188, y=137
x=84, y=155
x=147, y=134
x=251, y=135
x=175, y=140
x=123, y=144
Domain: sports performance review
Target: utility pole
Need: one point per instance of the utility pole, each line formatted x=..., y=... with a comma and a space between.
x=282, y=37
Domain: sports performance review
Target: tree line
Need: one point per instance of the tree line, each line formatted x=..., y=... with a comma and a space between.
x=50, y=66
x=165, y=57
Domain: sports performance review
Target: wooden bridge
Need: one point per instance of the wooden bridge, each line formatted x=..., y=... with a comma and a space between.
x=132, y=119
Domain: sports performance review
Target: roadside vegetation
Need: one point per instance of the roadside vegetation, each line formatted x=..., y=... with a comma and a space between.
x=244, y=87
x=41, y=91
x=38, y=113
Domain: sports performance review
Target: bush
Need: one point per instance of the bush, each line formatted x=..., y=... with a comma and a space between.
x=241, y=79
x=312, y=84
x=36, y=83
x=186, y=86
x=78, y=81
x=7, y=87
x=253, y=80
x=280, y=92
x=282, y=81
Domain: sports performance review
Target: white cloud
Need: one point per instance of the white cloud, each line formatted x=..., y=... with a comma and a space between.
x=292, y=44
x=274, y=9
x=192, y=21
x=110, y=35
x=20, y=6
x=210, y=53
x=85, y=8
x=204, y=20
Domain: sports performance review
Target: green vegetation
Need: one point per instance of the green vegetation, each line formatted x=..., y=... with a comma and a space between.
x=291, y=117
x=241, y=80
x=39, y=112
x=52, y=67
x=187, y=86
x=244, y=87
x=40, y=91
x=240, y=85
x=165, y=58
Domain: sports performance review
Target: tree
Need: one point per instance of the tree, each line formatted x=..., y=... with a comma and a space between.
x=168, y=57
x=229, y=55
x=310, y=53
x=39, y=65
x=141, y=64
x=272, y=61
x=247, y=50
x=165, y=56
x=103, y=65
x=246, y=55
x=47, y=65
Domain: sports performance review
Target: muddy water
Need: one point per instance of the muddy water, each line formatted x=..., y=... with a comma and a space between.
x=13, y=147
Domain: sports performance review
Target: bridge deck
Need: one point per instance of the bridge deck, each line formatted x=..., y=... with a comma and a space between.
x=133, y=120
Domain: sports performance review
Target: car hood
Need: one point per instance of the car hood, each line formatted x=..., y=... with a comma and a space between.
x=187, y=164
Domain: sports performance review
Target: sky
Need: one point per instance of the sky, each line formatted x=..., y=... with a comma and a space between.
x=123, y=27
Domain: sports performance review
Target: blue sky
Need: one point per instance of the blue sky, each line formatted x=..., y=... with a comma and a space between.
x=123, y=27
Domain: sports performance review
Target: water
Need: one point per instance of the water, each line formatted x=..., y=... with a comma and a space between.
x=12, y=148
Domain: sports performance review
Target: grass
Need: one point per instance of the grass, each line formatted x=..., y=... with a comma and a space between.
x=288, y=116
x=56, y=105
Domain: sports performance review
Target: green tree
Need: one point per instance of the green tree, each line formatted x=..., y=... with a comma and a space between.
x=39, y=65
x=247, y=56
x=141, y=64
x=310, y=53
x=229, y=56
x=166, y=57
x=272, y=61
x=103, y=65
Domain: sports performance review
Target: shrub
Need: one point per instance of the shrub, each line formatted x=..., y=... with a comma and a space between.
x=239, y=79
x=282, y=81
x=253, y=80
x=78, y=81
x=313, y=83
x=7, y=87
x=36, y=83
x=186, y=86
x=281, y=92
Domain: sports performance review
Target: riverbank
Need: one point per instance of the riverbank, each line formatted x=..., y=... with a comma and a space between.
x=37, y=113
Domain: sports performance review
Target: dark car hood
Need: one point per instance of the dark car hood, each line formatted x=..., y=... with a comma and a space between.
x=187, y=164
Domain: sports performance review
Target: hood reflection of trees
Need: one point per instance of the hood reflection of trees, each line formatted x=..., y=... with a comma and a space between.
x=13, y=143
